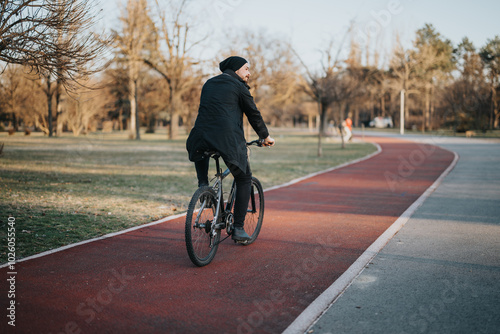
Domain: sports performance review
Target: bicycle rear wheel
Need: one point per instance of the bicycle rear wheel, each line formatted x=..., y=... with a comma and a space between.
x=200, y=243
x=255, y=211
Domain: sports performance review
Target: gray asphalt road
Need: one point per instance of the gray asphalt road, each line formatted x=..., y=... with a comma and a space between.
x=441, y=272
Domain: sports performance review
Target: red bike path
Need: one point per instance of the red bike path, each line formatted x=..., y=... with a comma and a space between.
x=142, y=281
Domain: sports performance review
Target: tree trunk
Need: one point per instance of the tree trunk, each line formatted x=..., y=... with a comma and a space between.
x=382, y=105
x=426, y=112
x=323, y=120
x=16, y=121
x=494, y=106
x=174, y=125
x=431, y=115
x=320, y=128
x=59, y=79
x=120, y=119
x=174, y=114
x=310, y=123
x=341, y=130
x=137, y=122
x=133, y=108
x=343, y=107
x=49, y=106
x=59, y=126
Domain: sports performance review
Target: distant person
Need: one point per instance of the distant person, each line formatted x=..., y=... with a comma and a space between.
x=347, y=125
x=219, y=126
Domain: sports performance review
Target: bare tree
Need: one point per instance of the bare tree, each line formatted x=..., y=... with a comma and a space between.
x=132, y=41
x=34, y=111
x=402, y=72
x=115, y=81
x=434, y=61
x=322, y=87
x=12, y=94
x=22, y=99
x=151, y=101
x=318, y=88
x=52, y=38
x=174, y=64
x=83, y=109
x=274, y=80
x=283, y=84
x=30, y=30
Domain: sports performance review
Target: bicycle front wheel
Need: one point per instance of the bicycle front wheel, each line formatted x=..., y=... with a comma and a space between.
x=255, y=211
x=201, y=243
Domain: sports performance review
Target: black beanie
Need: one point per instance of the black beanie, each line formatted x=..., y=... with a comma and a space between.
x=232, y=63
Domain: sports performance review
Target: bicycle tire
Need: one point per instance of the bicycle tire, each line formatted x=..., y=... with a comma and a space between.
x=200, y=244
x=255, y=211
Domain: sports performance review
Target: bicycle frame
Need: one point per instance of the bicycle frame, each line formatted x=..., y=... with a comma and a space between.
x=217, y=185
x=202, y=230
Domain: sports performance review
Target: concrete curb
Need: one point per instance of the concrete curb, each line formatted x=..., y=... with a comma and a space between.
x=324, y=301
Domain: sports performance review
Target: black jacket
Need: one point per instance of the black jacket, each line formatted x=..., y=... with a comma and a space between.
x=219, y=125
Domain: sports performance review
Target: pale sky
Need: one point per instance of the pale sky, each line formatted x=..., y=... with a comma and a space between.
x=310, y=24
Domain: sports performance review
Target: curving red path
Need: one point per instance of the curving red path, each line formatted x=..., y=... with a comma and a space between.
x=143, y=281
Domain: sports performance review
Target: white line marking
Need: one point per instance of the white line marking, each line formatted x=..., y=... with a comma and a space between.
x=379, y=149
x=163, y=220
x=55, y=250
x=324, y=301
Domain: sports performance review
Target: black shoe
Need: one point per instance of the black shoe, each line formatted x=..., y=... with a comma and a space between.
x=239, y=234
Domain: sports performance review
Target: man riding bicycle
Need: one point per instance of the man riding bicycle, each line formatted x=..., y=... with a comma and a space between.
x=219, y=126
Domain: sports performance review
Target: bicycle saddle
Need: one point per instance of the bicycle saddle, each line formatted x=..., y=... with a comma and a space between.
x=212, y=154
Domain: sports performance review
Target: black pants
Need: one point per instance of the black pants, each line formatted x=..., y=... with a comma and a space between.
x=243, y=187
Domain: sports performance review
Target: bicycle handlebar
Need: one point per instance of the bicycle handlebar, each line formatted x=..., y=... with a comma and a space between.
x=257, y=142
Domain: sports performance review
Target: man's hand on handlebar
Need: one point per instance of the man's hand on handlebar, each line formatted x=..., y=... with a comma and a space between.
x=268, y=142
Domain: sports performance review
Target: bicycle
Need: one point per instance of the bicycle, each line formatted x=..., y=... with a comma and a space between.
x=208, y=214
